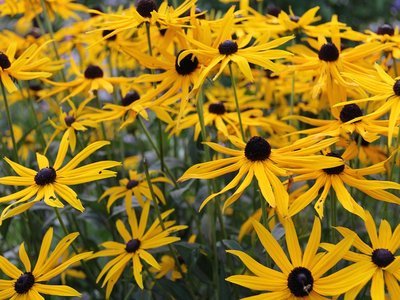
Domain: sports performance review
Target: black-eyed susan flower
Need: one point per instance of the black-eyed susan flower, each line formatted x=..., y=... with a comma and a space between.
x=76, y=119
x=92, y=79
x=301, y=277
x=25, y=67
x=223, y=50
x=33, y=282
x=257, y=159
x=136, y=185
x=330, y=61
x=136, y=244
x=383, y=88
x=52, y=181
x=349, y=120
x=378, y=263
x=337, y=178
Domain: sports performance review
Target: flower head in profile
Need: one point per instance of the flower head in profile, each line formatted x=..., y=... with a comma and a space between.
x=51, y=181
x=136, y=246
x=378, y=263
x=32, y=283
x=301, y=277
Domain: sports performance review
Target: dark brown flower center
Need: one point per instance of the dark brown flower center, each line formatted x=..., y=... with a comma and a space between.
x=228, y=47
x=350, y=112
x=217, y=108
x=385, y=29
x=382, y=257
x=4, y=61
x=69, y=120
x=24, y=283
x=334, y=170
x=145, y=7
x=45, y=176
x=131, y=184
x=93, y=72
x=273, y=10
x=187, y=64
x=294, y=18
x=107, y=32
x=300, y=282
x=328, y=52
x=132, y=246
x=129, y=98
x=257, y=149
x=396, y=88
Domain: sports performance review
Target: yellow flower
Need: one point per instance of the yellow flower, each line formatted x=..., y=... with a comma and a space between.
x=52, y=181
x=136, y=185
x=377, y=262
x=25, y=67
x=336, y=178
x=223, y=50
x=32, y=283
x=301, y=277
x=256, y=158
x=75, y=120
x=136, y=245
x=384, y=88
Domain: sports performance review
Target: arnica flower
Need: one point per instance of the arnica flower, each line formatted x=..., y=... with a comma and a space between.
x=293, y=22
x=377, y=262
x=25, y=67
x=301, y=277
x=136, y=185
x=385, y=89
x=32, y=283
x=76, y=119
x=257, y=158
x=136, y=245
x=52, y=181
x=224, y=50
x=337, y=178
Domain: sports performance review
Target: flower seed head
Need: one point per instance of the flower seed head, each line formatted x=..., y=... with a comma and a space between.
x=300, y=282
x=131, y=184
x=145, y=7
x=273, y=10
x=382, y=257
x=334, y=170
x=132, y=246
x=129, y=98
x=217, y=108
x=257, y=149
x=396, y=88
x=24, y=283
x=69, y=120
x=45, y=176
x=93, y=72
x=228, y=47
x=350, y=112
x=4, y=61
x=328, y=52
x=187, y=65
x=385, y=29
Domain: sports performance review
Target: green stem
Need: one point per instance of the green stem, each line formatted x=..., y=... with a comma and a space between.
x=15, y=149
x=155, y=202
x=233, y=83
x=155, y=148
